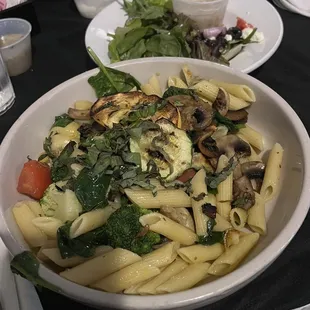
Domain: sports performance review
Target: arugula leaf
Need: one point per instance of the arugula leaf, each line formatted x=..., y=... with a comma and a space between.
x=27, y=266
x=61, y=168
x=91, y=190
x=110, y=81
x=211, y=237
x=175, y=91
x=62, y=120
x=84, y=245
x=214, y=179
x=231, y=126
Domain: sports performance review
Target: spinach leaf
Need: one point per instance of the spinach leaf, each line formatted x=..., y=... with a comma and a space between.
x=164, y=44
x=47, y=146
x=175, y=91
x=214, y=179
x=91, y=190
x=61, y=167
x=83, y=245
x=211, y=237
x=110, y=81
x=62, y=120
x=209, y=210
x=231, y=126
x=26, y=265
x=135, y=52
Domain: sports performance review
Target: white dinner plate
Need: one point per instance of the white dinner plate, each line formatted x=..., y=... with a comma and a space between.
x=295, y=9
x=260, y=13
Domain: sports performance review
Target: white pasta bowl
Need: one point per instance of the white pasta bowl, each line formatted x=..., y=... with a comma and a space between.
x=270, y=115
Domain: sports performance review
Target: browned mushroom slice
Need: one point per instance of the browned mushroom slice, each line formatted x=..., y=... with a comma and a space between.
x=195, y=113
x=233, y=145
x=179, y=215
x=254, y=170
x=214, y=162
x=221, y=103
x=168, y=112
x=79, y=114
x=118, y=106
x=243, y=193
x=207, y=145
x=240, y=116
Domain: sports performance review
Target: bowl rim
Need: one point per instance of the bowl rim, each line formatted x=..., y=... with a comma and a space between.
x=220, y=287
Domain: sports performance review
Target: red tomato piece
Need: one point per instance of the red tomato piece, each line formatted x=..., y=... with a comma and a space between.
x=34, y=179
x=187, y=175
x=242, y=24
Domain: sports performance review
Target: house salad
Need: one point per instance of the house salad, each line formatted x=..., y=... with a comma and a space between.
x=153, y=29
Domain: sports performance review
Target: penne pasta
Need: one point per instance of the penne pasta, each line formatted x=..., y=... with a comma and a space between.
x=256, y=216
x=236, y=104
x=272, y=173
x=185, y=279
x=172, y=230
x=99, y=267
x=49, y=225
x=23, y=217
x=83, y=105
x=200, y=253
x=127, y=277
x=133, y=290
x=152, y=87
x=238, y=218
x=49, y=244
x=176, y=82
x=221, y=223
x=206, y=90
x=35, y=207
x=233, y=256
x=90, y=220
x=251, y=136
x=188, y=75
x=199, y=188
x=173, y=198
x=223, y=209
x=225, y=188
x=149, y=288
x=163, y=256
x=243, y=92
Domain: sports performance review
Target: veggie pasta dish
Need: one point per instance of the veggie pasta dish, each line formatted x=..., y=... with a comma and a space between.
x=148, y=190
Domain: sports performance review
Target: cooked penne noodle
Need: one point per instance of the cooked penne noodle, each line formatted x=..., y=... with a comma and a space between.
x=173, y=198
x=133, y=290
x=176, y=82
x=99, y=267
x=240, y=91
x=223, y=209
x=35, y=207
x=238, y=218
x=127, y=277
x=200, y=253
x=23, y=217
x=168, y=228
x=83, y=105
x=199, y=187
x=233, y=256
x=163, y=256
x=225, y=188
x=236, y=104
x=256, y=216
x=49, y=225
x=152, y=87
x=206, y=90
x=221, y=223
x=90, y=220
x=272, y=173
x=149, y=288
x=157, y=184
x=188, y=75
x=251, y=136
x=49, y=244
x=185, y=279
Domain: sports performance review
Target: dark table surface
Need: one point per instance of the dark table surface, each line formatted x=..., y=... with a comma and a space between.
x=59, y=54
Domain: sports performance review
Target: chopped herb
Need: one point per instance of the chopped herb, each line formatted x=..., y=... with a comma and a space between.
x=209, y=210
x=175, y=91
x=200, y=197
x=62, y=120
x=211, y=237
x=231, y=126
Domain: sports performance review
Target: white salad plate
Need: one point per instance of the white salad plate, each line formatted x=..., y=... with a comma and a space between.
x=259, y=13
x=270, y=115
x=294, y=8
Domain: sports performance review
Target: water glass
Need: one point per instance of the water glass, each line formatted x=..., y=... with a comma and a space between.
x=7, y=95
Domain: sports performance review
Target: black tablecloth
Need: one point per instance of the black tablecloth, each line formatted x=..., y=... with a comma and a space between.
x=59, y=54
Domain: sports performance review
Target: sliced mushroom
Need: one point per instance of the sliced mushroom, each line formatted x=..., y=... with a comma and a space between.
x=207, y=145
x=221, y=103
x=254, y=170
x=214, y=162
x=243, y=193
x=79, y=114
x=240, y=116
x=179, y=215
x=233, y=145
x=237, y=172
x=168, y=112
x=195, y=113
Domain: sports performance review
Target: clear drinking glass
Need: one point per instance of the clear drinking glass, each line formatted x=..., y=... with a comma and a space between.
x=7, y=95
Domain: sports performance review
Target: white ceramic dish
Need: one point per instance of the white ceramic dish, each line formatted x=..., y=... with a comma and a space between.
x=260, y=13
x=271, y=115
x=294, y=8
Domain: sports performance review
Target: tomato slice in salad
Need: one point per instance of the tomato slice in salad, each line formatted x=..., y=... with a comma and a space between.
x=242, y=24
x=34, y=179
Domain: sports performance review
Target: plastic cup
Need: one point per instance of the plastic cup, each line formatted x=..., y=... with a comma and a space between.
x=206, y=13
x=17, y=55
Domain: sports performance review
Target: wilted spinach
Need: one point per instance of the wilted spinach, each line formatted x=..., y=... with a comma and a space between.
x=211, y=237
x=62, y=120
x=175, y=91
